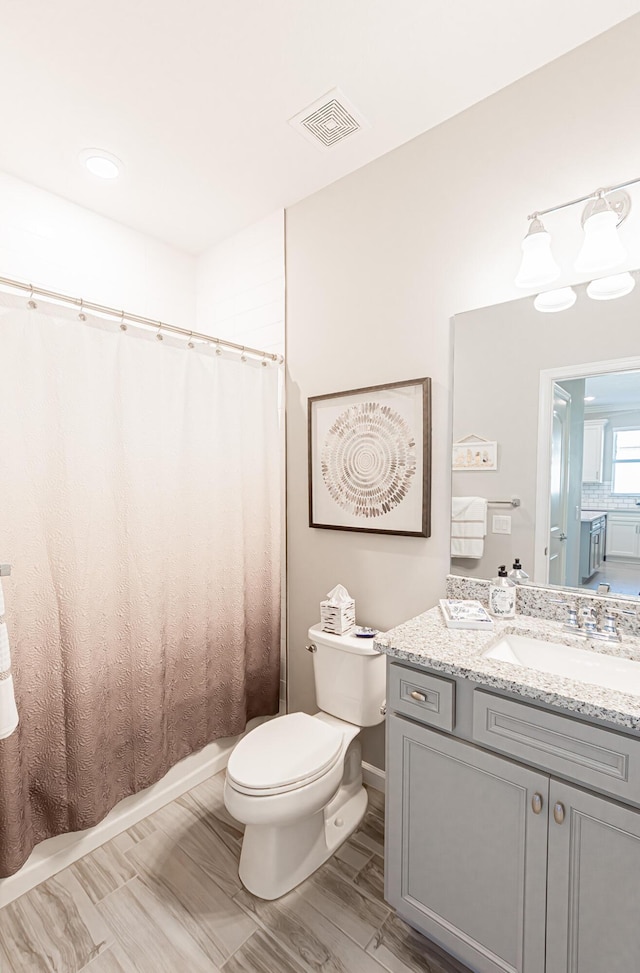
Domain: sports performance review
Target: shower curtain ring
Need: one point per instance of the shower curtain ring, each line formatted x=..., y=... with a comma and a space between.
x=81, y=315
x=159, y=337
x=31, y=304
x=243, y=356
x=218, y=348
x=264, y=361
x=123, y=326
x=190, y=343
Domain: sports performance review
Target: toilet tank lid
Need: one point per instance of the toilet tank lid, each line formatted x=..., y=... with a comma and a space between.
x=286, y=750
x=348, y=643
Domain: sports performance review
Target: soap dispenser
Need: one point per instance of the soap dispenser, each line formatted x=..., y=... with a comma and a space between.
x=518, y=575
x=502, y=595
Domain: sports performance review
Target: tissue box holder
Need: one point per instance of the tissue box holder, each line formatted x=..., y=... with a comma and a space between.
x=338, y=621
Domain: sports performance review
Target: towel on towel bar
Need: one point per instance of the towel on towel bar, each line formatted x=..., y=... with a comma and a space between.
x=8, y=710
x=468, y=526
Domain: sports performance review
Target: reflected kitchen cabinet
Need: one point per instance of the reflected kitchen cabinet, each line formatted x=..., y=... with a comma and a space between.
x=623, y=536
x=593, y=451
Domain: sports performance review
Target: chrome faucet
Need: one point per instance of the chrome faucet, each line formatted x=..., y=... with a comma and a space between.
x=589, y=623
x=586, y=624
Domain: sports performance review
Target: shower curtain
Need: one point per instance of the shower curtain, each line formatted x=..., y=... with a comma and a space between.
x=140, y=498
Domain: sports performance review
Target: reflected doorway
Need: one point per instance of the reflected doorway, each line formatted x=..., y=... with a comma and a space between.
x=558, y=485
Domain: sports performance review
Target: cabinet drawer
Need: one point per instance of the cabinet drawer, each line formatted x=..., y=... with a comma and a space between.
x=421, y=696
x=602, y=759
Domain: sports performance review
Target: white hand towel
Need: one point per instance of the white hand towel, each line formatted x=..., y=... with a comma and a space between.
x=467, y=547
x=8, y=710
x=468, y=526
x=1, y=601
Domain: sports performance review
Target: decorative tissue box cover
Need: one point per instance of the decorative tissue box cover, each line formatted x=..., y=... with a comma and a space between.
x=338, y=621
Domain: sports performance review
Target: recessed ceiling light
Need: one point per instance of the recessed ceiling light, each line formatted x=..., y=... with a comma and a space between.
x=101, y=163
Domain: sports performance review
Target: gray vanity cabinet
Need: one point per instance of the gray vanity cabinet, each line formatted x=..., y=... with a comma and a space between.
x=593, y=923
x=467, y=848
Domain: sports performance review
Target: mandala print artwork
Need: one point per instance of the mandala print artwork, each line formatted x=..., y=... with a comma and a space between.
x=369, y=459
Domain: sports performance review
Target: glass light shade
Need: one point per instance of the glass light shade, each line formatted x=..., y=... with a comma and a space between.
x=559, y=300
x=538, y=266
x=608, y=288
x=601, y=248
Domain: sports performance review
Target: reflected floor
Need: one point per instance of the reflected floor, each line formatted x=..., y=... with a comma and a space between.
x=165, y=897
x=624, y=578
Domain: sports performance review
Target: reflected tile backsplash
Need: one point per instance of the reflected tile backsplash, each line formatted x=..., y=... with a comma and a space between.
x=598, y=496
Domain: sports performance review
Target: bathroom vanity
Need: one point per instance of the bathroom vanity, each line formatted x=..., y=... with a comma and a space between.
x=513, y=797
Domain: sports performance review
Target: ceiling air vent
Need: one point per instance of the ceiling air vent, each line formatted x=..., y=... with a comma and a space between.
x=329, y=120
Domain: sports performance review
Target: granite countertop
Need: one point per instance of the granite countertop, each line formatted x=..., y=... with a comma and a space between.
x=426, y=641
x=586, y=515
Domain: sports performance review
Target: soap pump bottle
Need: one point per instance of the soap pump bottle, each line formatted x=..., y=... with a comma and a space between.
x=518, y=575
x=502, y=595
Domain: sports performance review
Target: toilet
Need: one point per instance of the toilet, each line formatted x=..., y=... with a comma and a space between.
x=296, y=781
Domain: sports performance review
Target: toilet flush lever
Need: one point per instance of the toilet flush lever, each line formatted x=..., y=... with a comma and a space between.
x=312, y=648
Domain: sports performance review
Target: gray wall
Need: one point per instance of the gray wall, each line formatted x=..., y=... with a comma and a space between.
x=378, y=263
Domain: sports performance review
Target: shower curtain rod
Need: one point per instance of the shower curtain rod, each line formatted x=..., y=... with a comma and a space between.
x=83, y=305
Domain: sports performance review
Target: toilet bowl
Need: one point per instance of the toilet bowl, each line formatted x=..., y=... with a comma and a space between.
x=296, y=781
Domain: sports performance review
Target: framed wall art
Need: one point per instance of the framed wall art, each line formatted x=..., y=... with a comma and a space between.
x=474, y=453
x=370, y=459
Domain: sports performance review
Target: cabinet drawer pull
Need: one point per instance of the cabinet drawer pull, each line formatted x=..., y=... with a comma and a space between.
x=558, y=812
x=420, y=697
x=536, y=803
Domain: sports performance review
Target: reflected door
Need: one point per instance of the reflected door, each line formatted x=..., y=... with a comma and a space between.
x=559, y=486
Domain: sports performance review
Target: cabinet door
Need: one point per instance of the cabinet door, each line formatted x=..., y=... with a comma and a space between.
x=466, y=845
x=622, y=537
x=596, y=551
x=594, y=884
x=592, y=452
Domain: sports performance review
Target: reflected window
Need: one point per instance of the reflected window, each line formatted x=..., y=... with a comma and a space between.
x=626, y=461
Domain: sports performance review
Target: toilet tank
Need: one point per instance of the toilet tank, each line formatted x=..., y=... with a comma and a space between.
x=350, y=677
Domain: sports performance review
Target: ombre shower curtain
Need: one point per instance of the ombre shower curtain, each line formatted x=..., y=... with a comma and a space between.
x=140, y=505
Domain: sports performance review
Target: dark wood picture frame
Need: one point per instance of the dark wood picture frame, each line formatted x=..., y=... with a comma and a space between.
x=425, y=526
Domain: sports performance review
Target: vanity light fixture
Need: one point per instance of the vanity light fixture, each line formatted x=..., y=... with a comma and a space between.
x=538, y=266
x=589, y=398
x=101, y=163
x=601, y=251
x=608, y=288
x=558, y=300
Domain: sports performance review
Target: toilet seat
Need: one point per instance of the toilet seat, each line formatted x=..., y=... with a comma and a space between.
x=284, y=754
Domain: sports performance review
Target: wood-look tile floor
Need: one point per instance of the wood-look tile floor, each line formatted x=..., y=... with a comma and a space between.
x=165, y=897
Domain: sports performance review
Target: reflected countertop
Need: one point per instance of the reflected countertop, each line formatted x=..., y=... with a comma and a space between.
x=426, y=641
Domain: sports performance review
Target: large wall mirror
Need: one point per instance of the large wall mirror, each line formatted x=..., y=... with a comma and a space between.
x=546, y=432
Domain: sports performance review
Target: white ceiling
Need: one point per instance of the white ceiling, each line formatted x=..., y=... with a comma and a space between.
x=194, y=97
x=613, y=391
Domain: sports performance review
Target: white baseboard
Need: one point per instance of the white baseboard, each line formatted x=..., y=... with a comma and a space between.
x=374, y=777
x=54, y=854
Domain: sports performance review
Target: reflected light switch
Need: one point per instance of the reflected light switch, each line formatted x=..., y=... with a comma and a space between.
x=501, y=524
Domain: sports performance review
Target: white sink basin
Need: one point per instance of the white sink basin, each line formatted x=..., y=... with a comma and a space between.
x=565, y=660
